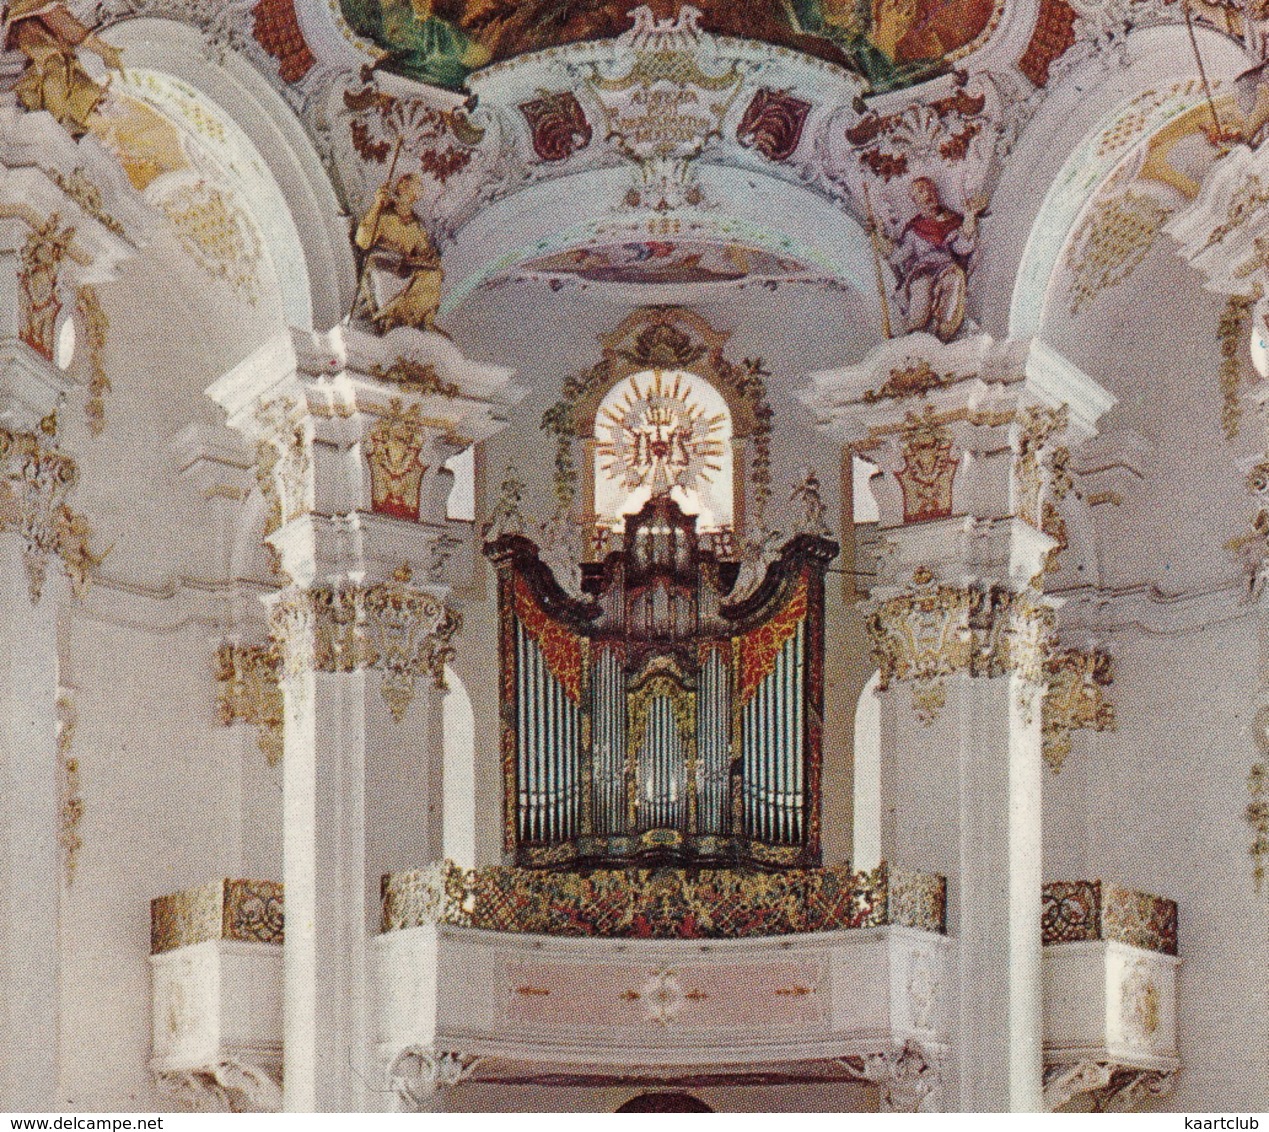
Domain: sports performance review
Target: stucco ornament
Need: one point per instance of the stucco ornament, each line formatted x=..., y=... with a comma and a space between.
x=417, y=1072
x=248, y=690
x=662, y=106
x=35, y=480
x=909, y=1077
x=42, y=255
x=935, y=631
x=391, y=627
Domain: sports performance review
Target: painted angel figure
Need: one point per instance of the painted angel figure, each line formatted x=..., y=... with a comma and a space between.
x=401, y=253
x=50, y=36
x=933, y=257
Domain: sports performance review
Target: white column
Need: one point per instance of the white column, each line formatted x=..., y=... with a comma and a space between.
x=30, y=884
x=54, y=239
x=354, y=430
x=966, y=436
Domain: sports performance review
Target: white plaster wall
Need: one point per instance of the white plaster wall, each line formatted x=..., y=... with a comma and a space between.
x=1165, y=796
x=161, y=784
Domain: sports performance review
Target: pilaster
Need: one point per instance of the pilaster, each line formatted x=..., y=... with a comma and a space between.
x=351, y=432
x=53, y=240
x=974, y=441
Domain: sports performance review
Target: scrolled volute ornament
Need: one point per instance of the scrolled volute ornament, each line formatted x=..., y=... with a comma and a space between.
x=417, y=1072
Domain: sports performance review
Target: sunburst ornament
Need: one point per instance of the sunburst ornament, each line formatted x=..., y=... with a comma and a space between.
x=659, y=436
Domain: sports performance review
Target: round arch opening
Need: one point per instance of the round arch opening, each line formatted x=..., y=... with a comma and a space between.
x=665, y=1102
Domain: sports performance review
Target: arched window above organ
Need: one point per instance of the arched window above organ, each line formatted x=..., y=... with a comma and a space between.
x=664, y=432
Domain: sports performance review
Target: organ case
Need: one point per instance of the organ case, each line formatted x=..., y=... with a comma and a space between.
x=654, y=720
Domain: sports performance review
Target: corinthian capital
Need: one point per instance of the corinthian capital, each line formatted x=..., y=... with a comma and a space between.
x=402, y=631
x=35, y=479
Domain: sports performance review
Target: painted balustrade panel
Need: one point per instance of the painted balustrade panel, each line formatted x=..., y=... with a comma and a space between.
x=662, y=1002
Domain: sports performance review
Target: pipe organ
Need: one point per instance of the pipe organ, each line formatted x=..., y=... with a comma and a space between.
x=653, y=720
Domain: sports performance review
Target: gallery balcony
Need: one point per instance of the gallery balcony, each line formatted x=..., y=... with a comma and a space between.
x=511, y=975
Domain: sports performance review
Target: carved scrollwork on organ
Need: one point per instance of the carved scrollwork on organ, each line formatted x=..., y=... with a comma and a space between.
x=653, y=719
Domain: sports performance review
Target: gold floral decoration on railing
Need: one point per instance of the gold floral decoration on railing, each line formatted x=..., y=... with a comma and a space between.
x=665, y=904
x=249, y=911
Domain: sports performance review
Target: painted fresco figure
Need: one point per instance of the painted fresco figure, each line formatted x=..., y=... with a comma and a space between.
x=50, y=37
x=933, y=257
x=399, y=248
x=421, y=41
x=892, y=43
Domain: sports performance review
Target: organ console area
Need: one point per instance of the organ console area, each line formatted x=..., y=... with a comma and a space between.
x=658, y=719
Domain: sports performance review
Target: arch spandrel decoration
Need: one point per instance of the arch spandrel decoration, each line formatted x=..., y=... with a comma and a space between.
x=665, y=339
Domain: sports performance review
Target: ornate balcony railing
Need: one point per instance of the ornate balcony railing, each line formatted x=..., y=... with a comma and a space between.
x=1082, y=910
x=246, y=910
x=852, y=971
x=665, y=904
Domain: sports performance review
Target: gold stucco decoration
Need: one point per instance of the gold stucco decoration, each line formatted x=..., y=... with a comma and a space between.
x=935, y=631
x=1077, y=699
x=96, y=326
x=1232, y=335
x=667, y=903
x=248, y=690
x=38, y=274
x=391, y=627
x=35, y=480
x=72, y=802
x=218, y=235
x=1111, y=243
x=1257, y=812
x=929, y=468
x=250, y=911
x=914, y=379
x=79, y=187
x=415, y=377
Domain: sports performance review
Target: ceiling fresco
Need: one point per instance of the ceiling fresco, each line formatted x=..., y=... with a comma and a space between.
x=891, y=43
x=653, y=263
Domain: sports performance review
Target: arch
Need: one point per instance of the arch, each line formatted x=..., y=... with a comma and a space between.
x=1032, y=217
x=667, y=339
x=759, y=210
x=313, y=259
x=665, y=1102
x=866, y=851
